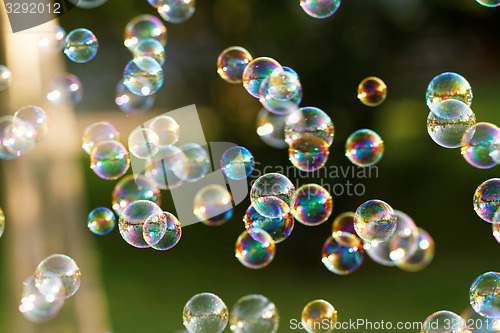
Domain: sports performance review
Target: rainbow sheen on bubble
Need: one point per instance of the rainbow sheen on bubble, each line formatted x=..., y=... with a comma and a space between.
x=166, y=128
x=177, y=11
x=255, y=252
x=278, y=106
x=278, y=228
x=487, y=199
x=308, y=153
x=5, y=77
x=132, y=220
x=2, y=222
x=130, y=189
x=447, y=86
x=205, y=313
x=7, y=143
x=150, y=48
x=109, y=160
x=195, y=165
x=479, y=151
x=342, y=253
x=132, y=104
x=62, y=270
x=364, y=148
x=320, y=9
x=309, y=121
x=422, y=256
x=272, y=194
x=372, y=91
x=88, y=4
x=254, y=314
x=144, y=27
x=495, y=229
x=35, y=117
x=344, y=222
x=375, y=221
x=444, y=322
x=97, y=133
x=35, y=306
x=81, y=45
x=489, y=3
x=18, y=137
x=283, y=84
x=143, y=76
x=65, y=90
x=101, y=221
x=162, y=232
x=270, y=128
x=237, y=163
x=316, y=314
x=477, y=323
x=52, y=39
x=255, y=72
x=159, y=169
x=312, y=205
x=232, y=62
x=143, y=142
x=212, y=201
x=484, y=295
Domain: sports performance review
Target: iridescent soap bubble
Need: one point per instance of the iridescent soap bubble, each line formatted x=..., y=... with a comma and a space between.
x=156, y=3
x=283, y=84
x=97, y=133
x=237, y=163
x=487, y=199
x=254, y=314
x=255, y=72
x=312, y=205
x=451, y=124
x=343, y=253
x=5, y=77
x=256, y=251
x=6, y=138
x=101, y=221
x=422, y=256
x=232, y=63
x=144, y=27
x=309, y=121
x=109, y=160
x=316, y=314
x=278, y=106
x=166, y=128
x=177, y=11
x=130, y=189
x=484, y=295
x=61, y=268
x=344, y=222
x=195, y=166
x=212, y=201
x=65, y=90
x=131, y=103
x=364, y=148
x=150, y=48
x=448, y=86
x=143, y=142
x=205, y=313
x=143, y=76
x=159, y=169
x=489, y=3
x=272, y=194
x=482, y=146
x=34, y=116
x=278, y=228
x=132, y=220
x=320, y=9
x=35, y=306
x=444, y=322
x=162, y=232
x=18, y=137
x=375, y=220
x=52, y=39
x=372, y=91
x=477, y=323
x=308, y=153
x=270, y=128
x=81, y=45
x=2, y=222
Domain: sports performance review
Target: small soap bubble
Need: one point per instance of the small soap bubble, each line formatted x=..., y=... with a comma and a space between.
x=159, y=169
x=143, y=143
x=312, y=205
x=319, y=316
x=177, y=11
x=143, y=76
x=422, y=256
x=255, y=251
x=237, y=163
x=309, y=121
x=308, y=153
x=130, y=103
x=18, y=137
x=101, y=221
x=195, y=166
x=5, y=77
x=232, y=63
x=35, y=306
x=447, y=86
x=320, y=9
x=144, y=27
x=479, y=151
x=489, y=3
x=364, y=148
x=487, y=199
x=372, y=91
x=272, y=194
x=212, y=201
x=34, y=116
x=343, y=253
x=63, y=270
x=2, y=222
x=205, y=313
x=375, y=221
x=97, y=133
x=6, y=138
x=132, y=220
x=167, y=130
x=65, y=90
x=52, y=39
x=484, y=295
x=254, y=314
x=150, y=48
x=256, y=71
x=344, y=222
x=81, y=45
x=278, y=106
x=444, y=322
x=130, y=189
x=270, y=128
x=283, y=85
x=109, y=160
x=278, y=228
x=162, y=232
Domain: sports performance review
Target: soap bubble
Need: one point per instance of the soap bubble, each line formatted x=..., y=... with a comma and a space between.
x=254, y=314
x=65, y=90
x=375, y=221
x=128, y=190
x=308, y=153
x=101, y=221
x=272, y=195
x=109, y=160
x=444, y=322
x=316, y=313
x=495, y=228
x=150, y=48
x=256, y=71
x=320, y=9
x=283, y=84
x=275, y=105
x=364, y=148
x=309, y=121
x=63, y=270
x=177, y=11
x=255, y=251
x=97, y=133
x=278, y=228
x=343, y=253
x=35, y=306
x=477, y=323
x=163, y=232
x=270, y=128
x=237, y=163
x=88, y=4
x=312, y=205
x=143, y=76
x=6, y=137
x=484, y=295
x=195, y=166
x=2, y=222
x=344, y=222
x=212, y=201
x=205, y=313
x=489, y=3
x=53, y=39
x=5, y=77
x=144, y=27
x=143, y=143
x=422, y=256
x=232, y=63
x=447, y=86
x=34, y=116
x=18, y=137
x=132, y=220
x=482, y=146
x=372, y=91
x=487, y=199
x=160, y=168
x=166, y=128
x=131, y=103
x=81, y=45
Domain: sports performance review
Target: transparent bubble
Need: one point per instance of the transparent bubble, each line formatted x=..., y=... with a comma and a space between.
x=375, y=221
x=35, y=306
x=320, y=9
x=166, y=128
x=422, y=256
x=177, y=11
x=162, y=232
x=63, y=270
x=128, y=190
x=2, y=222
x=53, y=39
x=447, y=86
x=283, y=84
x=150, y=48
x=308, y=153
x=344, y=222
x=5, y=77
x=443, y=322
x=312, y=205
x=270, y=128
x=205, y=313
x=364, y=148
x=316, y=313
x=81, y=45
x=143, y=76
x=372, y=91
x=254, y=314
x=278, y=228
x=489, y=3
x=101, y=221
x=109, y=160
x=195, y=166
x=143, y=143
x=130, y=103
x=144, y=27
x=255, y=72
x=18, y=137
x=65, y=90
x=343, y=253
x=132, y=220
x=34, y=116
x=212, y=201
x=88, y=4
x=255, y=251
x=482, y=146
x=97, y=133
x=477, y=323
x=484, y=295
x=309, y=121
x=159, y=170
x=6, y=138
x=451, y=124
x=487, y=199
x=276, y=105
x=272, y=195
x=237, y=163
x=232, y=63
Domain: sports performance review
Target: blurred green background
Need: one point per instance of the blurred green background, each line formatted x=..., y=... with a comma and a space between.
x=404, y=42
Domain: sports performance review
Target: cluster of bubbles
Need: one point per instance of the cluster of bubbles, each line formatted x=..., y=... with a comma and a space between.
x=56, y=279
